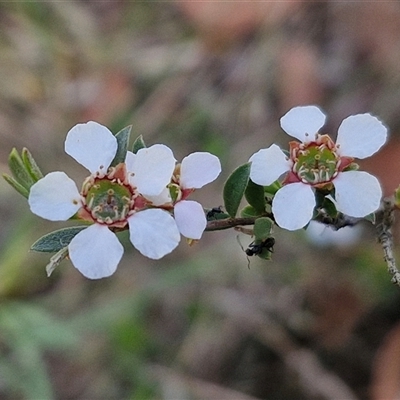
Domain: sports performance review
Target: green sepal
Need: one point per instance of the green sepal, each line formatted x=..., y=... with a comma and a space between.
x=262, y=228
x=371, y=218
x=57, y=240
x=174, y=191
x=138, y=144
x=255, y=196
x=273, y=188
x=352, y=167
x=19, y=170
x=235, y=187
x=249, y=212
x=123, y=140
x=330, y=208
x=17, y=186
x=55, y=260
x=31, y=165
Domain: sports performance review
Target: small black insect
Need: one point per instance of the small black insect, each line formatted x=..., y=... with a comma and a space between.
x=213, y=213
x=256, y=249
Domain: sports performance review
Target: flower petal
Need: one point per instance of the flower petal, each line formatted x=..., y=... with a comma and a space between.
x=55, y=197
x=357, y=193
x=198, y=169
x=95, y=252
x=153, y=232
x=130, y=160
x=293, y=206
x=153, y=168
x=190, y=218
x=92, y=145
x=303, y=122
x=163, y=198
x=267, y=165
x=360, y=136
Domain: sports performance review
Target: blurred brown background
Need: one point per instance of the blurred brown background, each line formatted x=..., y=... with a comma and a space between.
x=314, y=323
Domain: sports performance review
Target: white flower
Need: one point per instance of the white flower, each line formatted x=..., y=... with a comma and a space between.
x=195, y=171
x=109, y=198
x=318, y=162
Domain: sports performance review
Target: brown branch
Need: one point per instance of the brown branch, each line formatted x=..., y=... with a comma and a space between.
x=385, y=237
x=219, y=224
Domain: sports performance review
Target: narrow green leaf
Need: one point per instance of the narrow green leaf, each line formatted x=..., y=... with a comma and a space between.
x=138, y=144
x=18, y=187
x=235, y=187
x=123, y=140
x=57, y=240
x=262, y=228
x=19, y=171
x=255, y=196
x=31, y=165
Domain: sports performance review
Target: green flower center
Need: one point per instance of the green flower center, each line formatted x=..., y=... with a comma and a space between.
x=109, y=201
x=316, y=164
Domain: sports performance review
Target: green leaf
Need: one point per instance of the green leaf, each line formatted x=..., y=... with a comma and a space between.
x=235, y=187
x=31, y=165
x=138, y=144
x=57, y=240
x=17, y=186
x=262, y=228
x=255, y=196
x=249, y=211
x=19, y=171
x=123, y=140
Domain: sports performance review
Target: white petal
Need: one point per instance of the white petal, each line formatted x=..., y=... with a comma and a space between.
x=267, y=165
x=153, y=168
x=198, y=169
x=54, y=197
x=153, y=232
x=360, y=136
x=303, y=122
x=95, y=252
x=293, y=206
x=190, y=218
x=92, y=145
x=163, y=198
x=130, y=160
x=357, y=193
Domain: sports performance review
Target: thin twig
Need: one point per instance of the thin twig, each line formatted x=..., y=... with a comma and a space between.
x=385, y=237
x=227, y=223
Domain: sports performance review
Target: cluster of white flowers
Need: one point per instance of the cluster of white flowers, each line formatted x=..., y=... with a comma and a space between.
x=318, y=162
x=148, y=193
